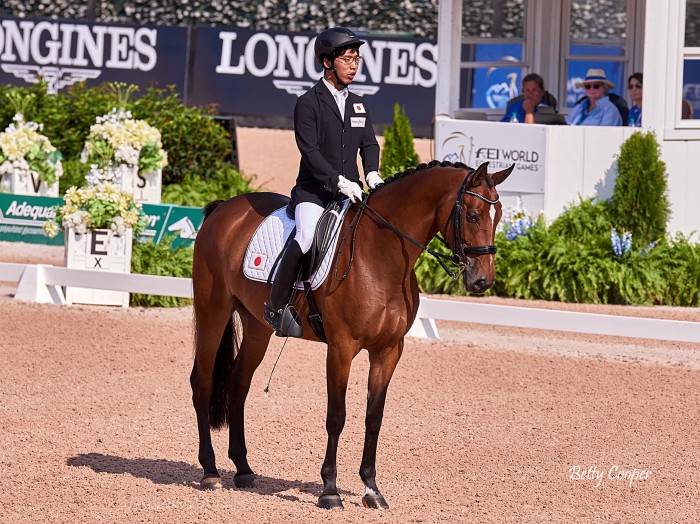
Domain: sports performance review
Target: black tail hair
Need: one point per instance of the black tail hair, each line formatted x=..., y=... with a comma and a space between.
x=210, y=207
x=225, y=355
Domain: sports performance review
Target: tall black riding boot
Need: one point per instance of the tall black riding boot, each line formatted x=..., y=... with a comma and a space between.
x=278, y=313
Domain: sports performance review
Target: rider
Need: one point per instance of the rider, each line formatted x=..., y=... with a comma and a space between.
x=330, y=126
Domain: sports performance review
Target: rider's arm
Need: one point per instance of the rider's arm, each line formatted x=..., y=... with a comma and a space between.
x=369, y=148
x=306, y=121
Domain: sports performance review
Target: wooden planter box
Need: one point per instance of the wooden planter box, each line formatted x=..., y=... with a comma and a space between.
x=27, y=185
x=99, y=250
x=146, y=187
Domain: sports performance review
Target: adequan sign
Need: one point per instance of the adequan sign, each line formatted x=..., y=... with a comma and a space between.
x=22, y=220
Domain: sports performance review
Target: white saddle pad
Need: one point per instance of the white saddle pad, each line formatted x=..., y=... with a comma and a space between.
x=269, y=239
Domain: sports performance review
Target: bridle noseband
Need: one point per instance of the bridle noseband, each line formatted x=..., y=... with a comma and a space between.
x=460, y=253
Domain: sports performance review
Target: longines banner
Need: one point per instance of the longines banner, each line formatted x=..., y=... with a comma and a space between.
x=245, y=72
x=65, y=52
x=263, y=72
x=474, y=143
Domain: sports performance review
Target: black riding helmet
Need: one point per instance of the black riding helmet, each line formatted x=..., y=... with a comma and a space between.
x=330, y=41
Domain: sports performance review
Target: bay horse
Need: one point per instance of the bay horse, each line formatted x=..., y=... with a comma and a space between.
x=372, y=307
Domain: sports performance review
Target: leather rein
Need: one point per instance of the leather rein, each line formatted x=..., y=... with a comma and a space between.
x=459, y=255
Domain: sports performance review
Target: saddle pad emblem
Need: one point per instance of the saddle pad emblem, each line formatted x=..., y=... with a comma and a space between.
x=258, y=261
x=269, y=240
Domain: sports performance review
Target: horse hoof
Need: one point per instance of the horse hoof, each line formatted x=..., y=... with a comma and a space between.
x=211, y=483
x=374, y=501
x=245, y=480
x=330, y=502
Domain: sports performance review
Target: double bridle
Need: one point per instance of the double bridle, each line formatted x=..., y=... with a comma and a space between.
x=460, y=253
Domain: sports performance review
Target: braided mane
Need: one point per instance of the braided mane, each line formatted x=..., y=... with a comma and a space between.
x=419, y=168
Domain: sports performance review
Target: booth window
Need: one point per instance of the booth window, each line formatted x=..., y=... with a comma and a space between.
x=492, y=55
x=597, y=39
x=690, y=106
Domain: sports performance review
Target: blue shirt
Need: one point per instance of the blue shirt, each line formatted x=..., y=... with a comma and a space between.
x=519, y=111
x=635, y=116
x=604, y=114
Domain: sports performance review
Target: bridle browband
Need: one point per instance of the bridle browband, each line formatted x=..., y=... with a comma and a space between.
x=459, y=256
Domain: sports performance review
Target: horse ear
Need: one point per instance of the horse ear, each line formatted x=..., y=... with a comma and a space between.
x=500, y=176
x=478, y=177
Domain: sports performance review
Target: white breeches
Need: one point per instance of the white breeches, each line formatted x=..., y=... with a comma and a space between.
x=306, y=215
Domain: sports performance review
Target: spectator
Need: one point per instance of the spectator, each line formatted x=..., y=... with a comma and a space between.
x=686, y=110
x=596, y=109
x=634, y=84
x=524, y=107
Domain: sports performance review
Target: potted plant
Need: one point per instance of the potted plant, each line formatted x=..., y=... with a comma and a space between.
x=29, y=164
x=99, y=222
x=125, y=151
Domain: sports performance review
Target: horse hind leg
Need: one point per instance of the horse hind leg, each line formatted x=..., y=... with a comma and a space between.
x=214, y=349
x=256, y=338
x=382, y=366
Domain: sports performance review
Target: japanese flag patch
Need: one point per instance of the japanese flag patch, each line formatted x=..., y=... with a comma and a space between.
x=359, y=107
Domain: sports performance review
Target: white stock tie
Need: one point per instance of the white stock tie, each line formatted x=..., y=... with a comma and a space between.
x=340, y=100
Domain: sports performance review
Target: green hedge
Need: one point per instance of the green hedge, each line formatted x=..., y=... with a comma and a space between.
x=196, y=143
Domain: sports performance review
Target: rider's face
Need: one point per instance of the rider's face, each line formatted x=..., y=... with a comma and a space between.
x=346, y=65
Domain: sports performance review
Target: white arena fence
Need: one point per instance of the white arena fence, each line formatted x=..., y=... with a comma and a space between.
x=43, y=283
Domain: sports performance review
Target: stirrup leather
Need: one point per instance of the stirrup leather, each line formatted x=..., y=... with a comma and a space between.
x=285, y=321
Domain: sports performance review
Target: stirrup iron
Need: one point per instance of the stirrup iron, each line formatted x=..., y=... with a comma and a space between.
x=285, y=321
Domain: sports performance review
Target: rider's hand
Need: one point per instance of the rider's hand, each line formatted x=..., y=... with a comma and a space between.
x=373, y=179
x=350, y=189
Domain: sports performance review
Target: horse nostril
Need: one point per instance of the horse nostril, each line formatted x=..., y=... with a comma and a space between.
x=479, y=285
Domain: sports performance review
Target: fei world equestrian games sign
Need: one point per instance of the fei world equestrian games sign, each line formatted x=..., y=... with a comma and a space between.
x=245, y=72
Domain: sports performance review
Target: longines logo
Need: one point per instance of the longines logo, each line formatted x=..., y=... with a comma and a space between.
x=62, y=53
x=290, y=60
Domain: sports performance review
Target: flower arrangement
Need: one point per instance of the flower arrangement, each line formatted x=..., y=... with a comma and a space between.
x=515, y=222
x=117, y=143
x=621, y=244
x=24, y=150
x=103, y=206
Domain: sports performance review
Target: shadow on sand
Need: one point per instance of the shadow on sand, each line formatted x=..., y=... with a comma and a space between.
x=161, y=471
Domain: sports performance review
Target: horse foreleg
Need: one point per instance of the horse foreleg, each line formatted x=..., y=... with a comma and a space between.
x=256, y=337
x=382, y=366
x=338, y=362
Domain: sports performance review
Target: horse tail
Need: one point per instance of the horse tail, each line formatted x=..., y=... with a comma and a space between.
x=210, y=207
x=218, y=405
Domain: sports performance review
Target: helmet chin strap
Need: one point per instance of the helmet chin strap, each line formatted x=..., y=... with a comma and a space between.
x=335, y=74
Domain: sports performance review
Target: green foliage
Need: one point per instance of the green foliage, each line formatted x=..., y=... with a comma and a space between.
x=399, y=152
x=195, y=142
x=161, y=259
x=431, y=277
x=640, y=202
x=74, y=173
x=193, y=191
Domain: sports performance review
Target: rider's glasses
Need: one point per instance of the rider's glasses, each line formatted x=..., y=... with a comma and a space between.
x=347, y=60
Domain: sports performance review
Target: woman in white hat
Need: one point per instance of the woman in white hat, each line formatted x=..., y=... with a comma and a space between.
x=596, y=109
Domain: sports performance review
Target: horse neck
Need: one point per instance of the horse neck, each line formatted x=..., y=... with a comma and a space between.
x=410, y=205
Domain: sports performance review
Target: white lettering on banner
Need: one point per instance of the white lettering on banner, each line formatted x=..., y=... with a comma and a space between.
x=67, y=44
x=292, y=56
x=25, y=210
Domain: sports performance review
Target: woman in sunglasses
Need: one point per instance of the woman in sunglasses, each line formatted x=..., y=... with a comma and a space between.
x=595, y=109
x=634, y=84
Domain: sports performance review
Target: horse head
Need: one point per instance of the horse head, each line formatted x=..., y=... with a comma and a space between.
x=470, y=228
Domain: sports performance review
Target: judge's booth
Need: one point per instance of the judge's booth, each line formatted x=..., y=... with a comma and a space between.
x=557, y=164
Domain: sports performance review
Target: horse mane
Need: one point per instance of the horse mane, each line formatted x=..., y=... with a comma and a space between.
x=419, y=168
x=210, y=207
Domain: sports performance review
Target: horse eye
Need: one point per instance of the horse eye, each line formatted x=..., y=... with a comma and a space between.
x=473, y=217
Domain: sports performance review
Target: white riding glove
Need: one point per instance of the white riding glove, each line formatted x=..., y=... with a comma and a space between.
x=373, y=179
x=352, y=190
